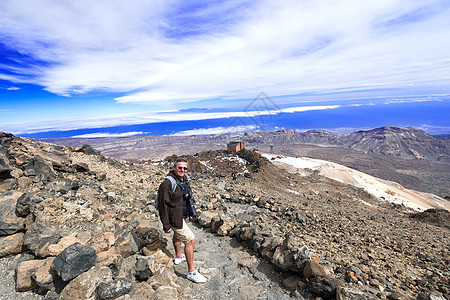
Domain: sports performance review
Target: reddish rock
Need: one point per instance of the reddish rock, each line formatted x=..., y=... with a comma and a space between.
x=24, y=272
x=103, y=241
x=110, y=258
x=11, y=244
x=143, y=291
x=162, y=258
x=55, y=249
x=313, y=269
x=42, y=275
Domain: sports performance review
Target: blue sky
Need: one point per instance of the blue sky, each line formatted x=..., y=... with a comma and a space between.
x=68, y=65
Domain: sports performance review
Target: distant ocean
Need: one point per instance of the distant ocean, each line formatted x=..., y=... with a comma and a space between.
x=433, y=116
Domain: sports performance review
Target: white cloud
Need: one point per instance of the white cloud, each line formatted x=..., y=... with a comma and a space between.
x=160, y=52
x=144, y=118
x=107, y=134
x=13, y=88
x=217, y=130
x=412, y=100
x=435, y=129
x=308, y=108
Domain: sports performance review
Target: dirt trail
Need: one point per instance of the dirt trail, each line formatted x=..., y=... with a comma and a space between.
x=232, y=272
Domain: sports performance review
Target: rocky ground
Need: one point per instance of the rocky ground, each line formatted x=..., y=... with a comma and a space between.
x=76, y=224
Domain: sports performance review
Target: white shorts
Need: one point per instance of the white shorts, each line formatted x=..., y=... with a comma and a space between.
x=184, y=234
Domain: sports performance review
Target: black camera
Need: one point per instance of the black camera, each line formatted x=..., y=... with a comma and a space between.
x=190, y=204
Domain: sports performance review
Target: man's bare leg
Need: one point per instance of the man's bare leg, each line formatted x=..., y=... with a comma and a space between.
x=177, y=245
x=189, y=253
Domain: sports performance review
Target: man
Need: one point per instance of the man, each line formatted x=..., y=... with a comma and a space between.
x=173, y=209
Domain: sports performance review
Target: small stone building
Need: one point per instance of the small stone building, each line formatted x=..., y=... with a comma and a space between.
x=235, y=146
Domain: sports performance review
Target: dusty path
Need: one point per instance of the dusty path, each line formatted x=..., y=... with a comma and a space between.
x=232, y=272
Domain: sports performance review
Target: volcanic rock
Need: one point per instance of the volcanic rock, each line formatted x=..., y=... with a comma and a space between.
x=26, y=204
x=85, y=285
x=284, y=255
x=114, y=289
x=9, y=222
x=324, y=287
x=74, y=260
x=42, y=169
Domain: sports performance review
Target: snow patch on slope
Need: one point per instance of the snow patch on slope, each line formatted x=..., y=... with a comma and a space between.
x=382, y=189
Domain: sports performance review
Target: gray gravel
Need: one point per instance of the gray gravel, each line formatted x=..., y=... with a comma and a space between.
x=7, y=282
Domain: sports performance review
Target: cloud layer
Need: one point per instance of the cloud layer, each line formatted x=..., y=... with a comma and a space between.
x=172, y=52
x=148, y=117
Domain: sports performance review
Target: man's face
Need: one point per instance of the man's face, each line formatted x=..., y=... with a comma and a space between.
x=180, y=169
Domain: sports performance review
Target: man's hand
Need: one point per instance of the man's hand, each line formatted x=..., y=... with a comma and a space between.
x=168, y=231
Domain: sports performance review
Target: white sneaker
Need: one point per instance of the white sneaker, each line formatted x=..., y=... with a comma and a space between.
x=179, y=260
x=196, y=277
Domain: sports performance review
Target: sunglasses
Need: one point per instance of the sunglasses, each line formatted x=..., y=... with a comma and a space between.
x=182, y=168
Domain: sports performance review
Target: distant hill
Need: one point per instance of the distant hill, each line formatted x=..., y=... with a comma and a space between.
x=442, y=136
x=410, y=143
x=394, y=141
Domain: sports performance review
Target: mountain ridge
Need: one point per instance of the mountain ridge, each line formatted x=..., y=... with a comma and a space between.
x=406, y=142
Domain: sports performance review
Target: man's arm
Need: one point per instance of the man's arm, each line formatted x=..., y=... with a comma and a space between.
x=164, y=196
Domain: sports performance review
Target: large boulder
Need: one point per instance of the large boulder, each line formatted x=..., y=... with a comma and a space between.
x=5, y=167
x=39, y=236
x=24, y=271
x=127, y=243
x=324, y=287
x=86, y=284
x=11, y=244
x=56, y=249
x=43, y=275
x=42, y=169
x=26, y=204
x=74, y=260
x=87, y=149
x=205, y=218
x=313, y=269
x=115, y=288
x=284, y=257
x=9, y=222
